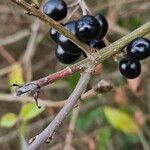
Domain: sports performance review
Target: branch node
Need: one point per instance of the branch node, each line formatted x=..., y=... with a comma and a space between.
x=48, y=140
x=97, y=70
x=28, y=13
x=103, y=86
x=28, y=88
x=32, y=140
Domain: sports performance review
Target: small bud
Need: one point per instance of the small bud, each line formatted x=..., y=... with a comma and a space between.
x=103, y=87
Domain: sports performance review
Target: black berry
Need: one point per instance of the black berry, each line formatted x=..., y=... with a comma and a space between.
x=139, y=49
x=98, y=44
x=64, y=57
x=103, y=25
x=56, y=9
x=87, y=28
x=54, y=34
x=66, y=44
x=130, y=68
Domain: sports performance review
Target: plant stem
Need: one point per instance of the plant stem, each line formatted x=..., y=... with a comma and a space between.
x=48, y=132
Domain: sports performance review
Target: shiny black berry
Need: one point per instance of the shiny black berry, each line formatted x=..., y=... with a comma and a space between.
x=64, y=57
x=139, y=49
x=54, y=34
x=130, y=68
x=103, y=25
x=87, y=28
x=56, y=9
x=98, y=44
x=65, y=43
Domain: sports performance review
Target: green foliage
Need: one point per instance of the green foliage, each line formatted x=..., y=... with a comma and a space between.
x=30, y=111
x=127, y=141
x=22, y=128
x=120, y=120
x=86, y=120
x=8, y=120
x=131, y=138
x=130, y=22
x=73, y=80
x=104, y=137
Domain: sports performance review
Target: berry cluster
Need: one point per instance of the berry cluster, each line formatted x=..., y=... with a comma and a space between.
x=137, y=50
x=91, y=30
x=88, y=29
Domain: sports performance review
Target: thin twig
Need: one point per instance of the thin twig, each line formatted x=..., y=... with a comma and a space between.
x=44, y=103
x=84, y=11
x=31, y=42
x=30, y=49
x=59, y=75
x=73, y=12
x=137, y=9
x=6, y=55
x=52, y=127
x=73, y=5
x=143, y=140
x=102, y=87
x=86, y=7
x=71, y=129
x=14, y=38
x=5, y=70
